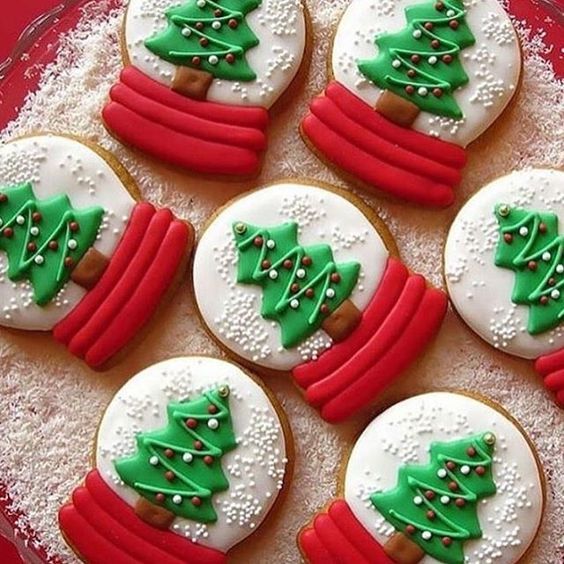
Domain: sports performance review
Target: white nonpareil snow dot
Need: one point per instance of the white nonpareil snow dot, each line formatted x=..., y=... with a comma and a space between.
x=300, y=273
x=441, y=473
x=426, y=535
x=396, y=63
x=186, y=31
x=465, y=469
x=201, y=3
x=445, y=499
x=216, y=25
x=154, y=460
x=187, y=457
x=39, y=259
x=417, y=33
x=560, y=269
x=555, y=294
x=177, y=499
x=450, y=13
x=20, y=220
x=213, y=60
x=271, y=243
x=330, y=293
x=34, y=231
x=72, y=244
x=422, y=91
x=433, y=60
x=523, y=231
x=273, y=274
x=418, y=500
x=213, y=424
x=294, y=304
x=546, y=256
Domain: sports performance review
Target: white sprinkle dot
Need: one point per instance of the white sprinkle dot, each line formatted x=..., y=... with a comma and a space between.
x=20, y=220
x=523, y=231
x=271, y=243
x=441, y=473
x=555, y=294
x=465, y=469
x=294, y=304
x=34, y=231
x=187, y=457
x=39, y=259
x=396, y=63
x=154, y=460
x=560, y=269
x=201, y=3
x=417, y=33
x=186, y=31
x=177, y=499
x=433, y=60
x=213, y=60
x=426, y=535
x=330, y=293
x=213, y=424
x=216, y=25
x=546, y=256
x=445, y=499
x=450, y=13
x=418, y=500
x=422, y=91
x=300, y=273
x=72, y=244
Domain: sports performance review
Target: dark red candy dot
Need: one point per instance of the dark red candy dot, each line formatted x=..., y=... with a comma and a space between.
x=208, y=459
x=294, y=288
x=199, y=25
x=232, y=23
x=31, y=247
x=160, y=497
x=196, y=501
x=258, y=241
x=471, y=451
x=69, y=262
x=543, y=300
x=410, y=529
x=410, y=89
x=169, y=475
x=73, y=226
x=8, y=232
x=306, y=261
x=191, y=423
x=217, y=13
x=169, y=453
x=447, y=59
x=430, y=515
x=532, y=265
x=437, y=92
x=429, y=494
x=452, y=486
x=309, y=292
x=450, y=465
x=265, y=264
x=3, y=198
x=542, y=227
x=230, y=58
x=53, y=245
x=453, y=24
x=428, y=26
x=508, y=238
x=435, y=44
x=212, y=408
x=287, y=264
x=459, y=502
x=335, y=277
x=551, y=281
x=411, y=73
x=36, y=217
x=196, y=61
x=439, y=6
x=204, y=41
x=447, y=541
x=415, y=58
x=480, y=470
x=324, y=309
x=198, y=445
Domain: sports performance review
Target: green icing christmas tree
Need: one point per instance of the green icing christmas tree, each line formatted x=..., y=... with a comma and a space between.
x=178, y=467
x=530, y=246
x=435, y=506
x=301, y=285
x=44, y=239
x=421, y=63
x=208, y=35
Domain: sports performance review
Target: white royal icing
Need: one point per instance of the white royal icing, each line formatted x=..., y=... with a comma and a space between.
x=255, y=469
x=493, y=63
x=279, y=25
x=232, y=311
x=480, y=290
x=59, y=165
x=402, y=435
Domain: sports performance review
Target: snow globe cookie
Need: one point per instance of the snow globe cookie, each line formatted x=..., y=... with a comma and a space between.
x=200, y=77
x=439, y=477
x=80, y=255
x=191, y=456
x=412, y=84
x=306, y=280
x=503, y=268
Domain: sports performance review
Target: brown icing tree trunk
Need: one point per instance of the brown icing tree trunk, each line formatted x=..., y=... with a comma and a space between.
x=89, y=269
x=192, y=83
x=402, y=550
x=154, y=515
x=342, y=322
x=397, y=109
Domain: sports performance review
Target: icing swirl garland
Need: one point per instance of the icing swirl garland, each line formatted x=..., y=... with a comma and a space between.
x=212, y=36
x=44, y=239
x=529, y=244
x=301, y=285
x=434, y=506
x=178, y=467
x=421, y=62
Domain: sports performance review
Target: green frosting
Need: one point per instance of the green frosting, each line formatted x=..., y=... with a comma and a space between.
x=422, y=61
x=44, y=239
x=435, y=505
x=170, y=470
x=301, y=285
x=208, y=35
x=529, y=244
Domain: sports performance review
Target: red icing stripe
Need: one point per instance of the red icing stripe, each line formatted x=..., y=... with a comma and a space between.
x=337, y=536
x=104, y=528
x=417, y=334
x=329, y=113
x=177, y=148
x=244, y=137
x=373, y=350
x=384, y=298
x=373, y=171
x=415, y=141
x=247, y=116
x=551, y=368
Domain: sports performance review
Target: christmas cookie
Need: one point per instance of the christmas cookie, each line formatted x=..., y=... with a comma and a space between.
x=412, y=83
x=504, y=268
x=191, y=456
x=440, y=477
x=79, y=254
x=200, y=77
x=306, y=280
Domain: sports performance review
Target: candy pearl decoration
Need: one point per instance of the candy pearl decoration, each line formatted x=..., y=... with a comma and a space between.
x=396, y=63
x=523, y=231
x=201, y=3
x=445, y=499
x=433, y=60
x=422, y=91
x=465, y=469
x=186, y=32
x=560, y=269
x=213, y=60
x=34, y=231
x=546, y=256
x=271, y=243
x=72, y=244
x=20, y=220
x=555, y=294
x=294, y=304
x=300, y=273
x=442, y=473
x=273, y=274
x=154, y=460
x=216, y=25
x=213, y=424
x=426, y=535
x=330, y=293
x=187, y=457
x=450, y=13
x=177, y=499
x=417, y=34
x=39, y=259
x=418, y=500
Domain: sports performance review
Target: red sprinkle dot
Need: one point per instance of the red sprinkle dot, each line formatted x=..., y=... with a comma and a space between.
x=542, y=227
x=36, y=217
x=415, y=58
x=265, y=264
x=191, y=423
x=429, y=494
x=452, y=486
x=324, y=309
x=73, y=226
x=160, y=497
x=8, y=232
x=199, y=25
x=439, y=6
x=410, y=89
x=450, y=465
x=69, y=262
x=212, y=408
x=459, y=502
x=204, y=41
x=411, y=73
x=53, y=245
x=309, y=292
x=447, y=541
x=198, y=445
x=217, y=13
x=551, y=281
x=335, y=277
x=430, y=515
x=3, y=198
x=447, y=59
x=208, y=459
x=543, y=300
x=435, y=44
x=437, y=92
x=31, y=247
x=196, y=61
x=196, y=501
x=428, y=26
x=258, y=241
x=471, y=451
x=169, y=475
x=169, y=453
x=453, y=24
x=230, y=58
x=294, y=288
x=306, y=261
x=480, y=470
x=532, y=265
x=508, y=238
x=287, y=264
x=410, y=529
x=232, y=23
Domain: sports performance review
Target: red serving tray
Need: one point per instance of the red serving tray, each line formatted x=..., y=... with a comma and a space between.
x=29, y=38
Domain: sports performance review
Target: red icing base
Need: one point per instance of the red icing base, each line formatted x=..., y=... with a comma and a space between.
x=204, y=137
x=551, y=368
x=402, y=317
x=103, y=528
x=337, y=537
x=398, y=160
x=139, y=273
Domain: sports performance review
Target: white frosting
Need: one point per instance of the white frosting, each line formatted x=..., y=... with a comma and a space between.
x=402, y=435
x=480, y=290
x=255, y=469
x=232, y=311
x=59, y=165
x=279, y=25
x=493, y=63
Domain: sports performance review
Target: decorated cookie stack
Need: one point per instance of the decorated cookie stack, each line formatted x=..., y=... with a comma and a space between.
x=81, y=256
x=191, y=456
x=412, y=84
x=200, y=76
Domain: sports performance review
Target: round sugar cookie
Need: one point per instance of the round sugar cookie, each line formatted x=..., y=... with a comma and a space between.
x=413, y=82
x=74, y=258
x=191, y=456
x=439, y=477
x=504, y=266
x=301, y=278
x=202, y=75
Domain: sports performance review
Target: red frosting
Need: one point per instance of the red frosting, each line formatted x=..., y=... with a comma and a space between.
x=402, y=317
x=398, y=160
x=204, y=137
x=139, y=273
x=103, y=528
x=551, y=368
x=336, y=537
